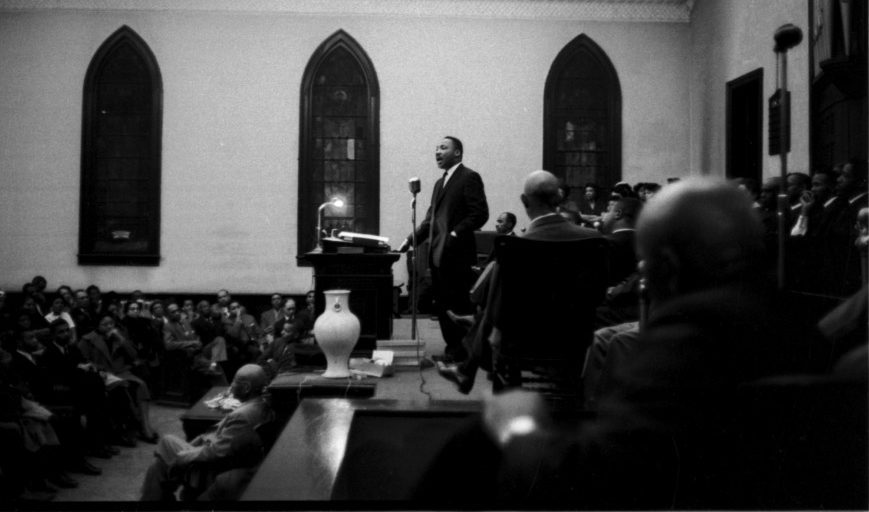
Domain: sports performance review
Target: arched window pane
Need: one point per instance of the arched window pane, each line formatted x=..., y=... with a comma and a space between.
x=339, y=152
x=121, y=154
x=582, y=116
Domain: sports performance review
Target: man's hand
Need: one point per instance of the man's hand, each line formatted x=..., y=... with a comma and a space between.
x=512, y=414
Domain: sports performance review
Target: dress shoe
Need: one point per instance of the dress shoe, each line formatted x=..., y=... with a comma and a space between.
x=62, y=480
x=452, y=373
x=113, y=450
x=86, y=468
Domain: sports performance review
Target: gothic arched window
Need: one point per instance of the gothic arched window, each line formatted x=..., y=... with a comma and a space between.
x=582, y=114
x=121, y=137
x=339, y=152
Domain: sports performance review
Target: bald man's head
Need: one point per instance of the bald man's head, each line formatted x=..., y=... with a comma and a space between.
x=541, y=193
x=696, y=234
x=249, y=382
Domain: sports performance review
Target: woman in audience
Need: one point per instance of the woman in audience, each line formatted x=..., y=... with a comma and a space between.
x=109, y=351
x=65, y=293
x=57, y=311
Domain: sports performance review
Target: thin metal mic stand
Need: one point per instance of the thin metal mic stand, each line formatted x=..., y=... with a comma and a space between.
x=415, y=289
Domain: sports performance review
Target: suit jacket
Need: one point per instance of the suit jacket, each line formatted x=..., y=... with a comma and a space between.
x=233, y=442
x=180, y=335
x=119, y=360
x=269, y=318
x=459, y=206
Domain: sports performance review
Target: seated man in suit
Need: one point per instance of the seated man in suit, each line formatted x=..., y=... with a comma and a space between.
x=270, y=317
x=664, y=435
x=232, y=443
x=541, y=196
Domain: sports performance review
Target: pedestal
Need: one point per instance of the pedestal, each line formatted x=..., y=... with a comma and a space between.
x=369, y=279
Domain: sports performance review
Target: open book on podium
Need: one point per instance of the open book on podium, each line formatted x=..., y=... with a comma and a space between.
x=347, y=242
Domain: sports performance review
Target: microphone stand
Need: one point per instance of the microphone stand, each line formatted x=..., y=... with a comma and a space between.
x=415, y=289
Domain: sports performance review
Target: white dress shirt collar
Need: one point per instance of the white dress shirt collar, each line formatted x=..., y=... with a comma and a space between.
x=450, y=172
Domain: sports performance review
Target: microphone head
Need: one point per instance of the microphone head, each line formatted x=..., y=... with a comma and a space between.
x=786, y=37
x=414, y=185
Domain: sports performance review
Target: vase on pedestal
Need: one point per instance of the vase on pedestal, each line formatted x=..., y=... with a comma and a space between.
x=337, y=331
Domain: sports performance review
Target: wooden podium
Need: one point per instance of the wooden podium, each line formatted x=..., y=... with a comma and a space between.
x=368, y=276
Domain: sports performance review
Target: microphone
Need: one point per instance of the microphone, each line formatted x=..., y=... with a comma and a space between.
x=786, y=37
x=414, y=186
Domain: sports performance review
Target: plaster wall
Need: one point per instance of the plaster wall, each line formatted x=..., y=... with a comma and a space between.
x=231, y=83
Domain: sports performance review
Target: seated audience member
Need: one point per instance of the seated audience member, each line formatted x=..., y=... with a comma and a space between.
x=66, y=293
x=622, y=191
x=157, y=313
x=567, y=204
x=179, y=337
x=57, y=311
x=308, y=353
x=69, y=378
x=57, y=386
x=223, y=300
x=805, y=253
x=28, y=443
x=505, y=223
x=768, y=210
x=280, y=355
x=840, y=256
x=796, y=183
x=81, y=314
x=29, y=291
x=647, y=191
x=622, y=300
x=617, y=225
x=111, y=353
x=242, y=334
x=98, y=307
x=147, y=340
x=37, y=322
x=310, y=299
x=592, y=206
x=664, y=428
x=26, y=376
x=540, y=197
x=271, y=316
x=232, y=443
x=188, y=309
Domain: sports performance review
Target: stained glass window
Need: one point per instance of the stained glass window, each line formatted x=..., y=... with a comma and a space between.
x=339, y=147
x=582, y=117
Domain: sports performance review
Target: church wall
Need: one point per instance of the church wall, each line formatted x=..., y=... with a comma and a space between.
x=728, y=40
x=231, y=84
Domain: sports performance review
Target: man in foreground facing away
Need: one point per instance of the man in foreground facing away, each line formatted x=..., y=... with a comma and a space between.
x=665, y=433
x=232, y=443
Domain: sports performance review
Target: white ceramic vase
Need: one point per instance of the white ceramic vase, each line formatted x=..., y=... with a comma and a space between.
x=337, y=331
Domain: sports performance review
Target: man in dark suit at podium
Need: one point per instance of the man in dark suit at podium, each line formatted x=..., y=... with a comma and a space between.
x=458, y=208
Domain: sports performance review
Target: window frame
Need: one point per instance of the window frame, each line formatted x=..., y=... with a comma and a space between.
x=614, y=106
x=89, y=181
x=307, y=217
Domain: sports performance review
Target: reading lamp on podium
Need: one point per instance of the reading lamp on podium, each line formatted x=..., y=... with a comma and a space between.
x=337, y=202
